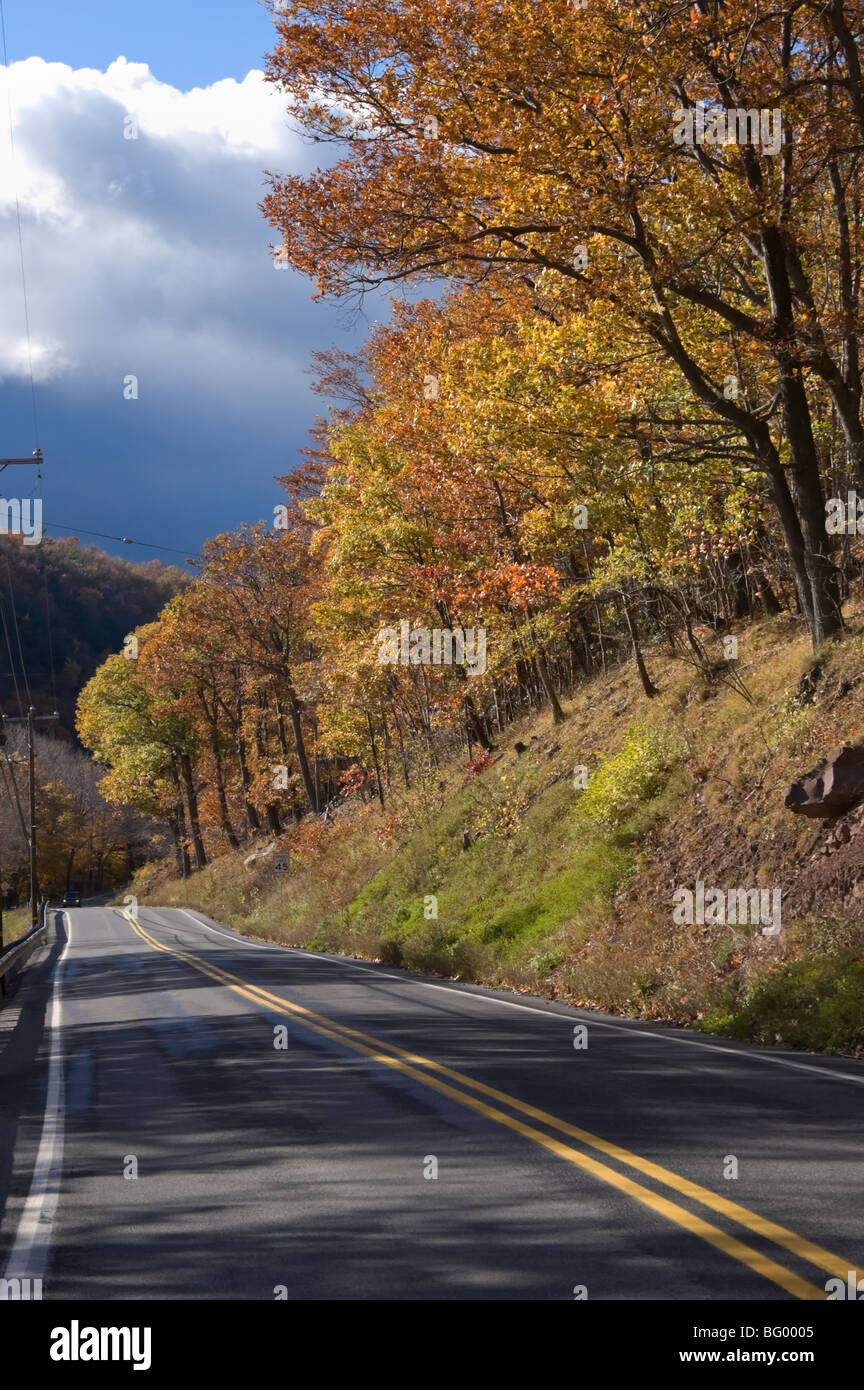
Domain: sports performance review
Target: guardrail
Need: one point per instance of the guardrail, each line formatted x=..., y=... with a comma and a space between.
x=20, y=951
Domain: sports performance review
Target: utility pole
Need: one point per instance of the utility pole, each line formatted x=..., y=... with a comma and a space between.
x=2, y=888
x=36, y=457
x=31, y=756
x=10, y=763
x=32, y=718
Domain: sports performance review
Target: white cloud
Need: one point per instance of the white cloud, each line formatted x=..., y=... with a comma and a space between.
x=146, y=255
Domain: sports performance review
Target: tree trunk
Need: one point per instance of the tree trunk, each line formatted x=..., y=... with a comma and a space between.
x=192, y=805
x=375, y=759
x=252, y=819
x=219, y=779
x=826, y=619
x=549, y=690
x=402, y=758
x=300, y=747
x=474, y=724
x=768, y=598
x=178, y=823
x=647, y=684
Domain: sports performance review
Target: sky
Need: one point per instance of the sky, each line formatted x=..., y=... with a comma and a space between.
x=141, y=134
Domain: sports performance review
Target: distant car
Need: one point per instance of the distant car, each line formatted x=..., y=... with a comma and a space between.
x=72, y=898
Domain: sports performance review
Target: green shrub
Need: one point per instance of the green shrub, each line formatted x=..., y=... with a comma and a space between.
x=391, y=951
x=814, y=1004
x=632, y=776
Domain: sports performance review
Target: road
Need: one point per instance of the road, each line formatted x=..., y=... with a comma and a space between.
x=185, y=1113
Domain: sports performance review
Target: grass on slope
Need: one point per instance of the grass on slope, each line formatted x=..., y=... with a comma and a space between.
x=16, y=921
x=568, y=892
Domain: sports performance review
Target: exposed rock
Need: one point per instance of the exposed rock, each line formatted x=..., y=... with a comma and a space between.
x=831, y=788
x=809, y=683
x=520, y=748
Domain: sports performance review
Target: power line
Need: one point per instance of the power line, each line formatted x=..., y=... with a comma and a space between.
x=47, y=599
x=18, y=632
x=37, y=452
x=148, y=545
x=30, y=721
x=20, y=235
x=12, y=670
x=11, y=776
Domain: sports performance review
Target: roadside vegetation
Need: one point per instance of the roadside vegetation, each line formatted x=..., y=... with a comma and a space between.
x=16, y=921
x=568, y=892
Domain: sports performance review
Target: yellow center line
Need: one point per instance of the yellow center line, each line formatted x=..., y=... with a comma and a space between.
x=390, y=1055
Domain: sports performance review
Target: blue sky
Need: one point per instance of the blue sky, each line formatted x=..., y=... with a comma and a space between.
x=187, y=43
x=148, y=257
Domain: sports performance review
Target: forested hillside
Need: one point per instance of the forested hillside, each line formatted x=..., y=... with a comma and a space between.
x=82, y=841
x=63, y=607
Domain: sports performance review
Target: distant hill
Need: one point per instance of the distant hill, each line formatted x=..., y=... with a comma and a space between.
x=74, y=605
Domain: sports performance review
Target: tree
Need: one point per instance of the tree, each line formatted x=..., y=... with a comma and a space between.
x=459, y=164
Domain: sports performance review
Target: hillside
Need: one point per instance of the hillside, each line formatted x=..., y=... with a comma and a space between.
x=569, y=892
x=74, y=604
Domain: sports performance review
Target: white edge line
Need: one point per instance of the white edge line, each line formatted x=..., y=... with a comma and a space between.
x=733, y=1052
x=238, y=941
x=35, y=1233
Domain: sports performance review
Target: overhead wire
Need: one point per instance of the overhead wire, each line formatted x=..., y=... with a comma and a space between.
x=125, y=540
x=11, y=776
x=29, y=342
x=20, y=233
x=7, y=764
x=9, y=649
x=50, y=634
x=18, y=633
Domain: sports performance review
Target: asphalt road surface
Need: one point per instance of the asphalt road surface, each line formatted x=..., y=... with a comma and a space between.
x=185, y=1113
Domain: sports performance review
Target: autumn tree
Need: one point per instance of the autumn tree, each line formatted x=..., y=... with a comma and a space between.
x=491, y=140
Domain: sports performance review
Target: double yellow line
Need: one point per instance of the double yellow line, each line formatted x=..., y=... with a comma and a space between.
x=429, y=1073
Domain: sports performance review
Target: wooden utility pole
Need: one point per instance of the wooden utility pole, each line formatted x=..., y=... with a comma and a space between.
x=2, y=888
x=30, y=721
x=31, y=758
x=10, y=762
x=35, y=458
